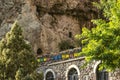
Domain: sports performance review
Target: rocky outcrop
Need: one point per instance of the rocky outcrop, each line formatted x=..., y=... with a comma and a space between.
x=47, y=22
x=9, y=10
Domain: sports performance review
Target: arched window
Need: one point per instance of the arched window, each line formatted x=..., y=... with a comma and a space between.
x=73, y=74
x=49, y=76
x=101, y=74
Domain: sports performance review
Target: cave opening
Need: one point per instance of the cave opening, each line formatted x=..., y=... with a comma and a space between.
x=39, y=51
x=70, y=34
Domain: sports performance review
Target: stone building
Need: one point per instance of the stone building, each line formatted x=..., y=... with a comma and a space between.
x=72, y=69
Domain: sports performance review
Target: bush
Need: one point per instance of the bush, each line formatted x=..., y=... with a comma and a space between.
x=63, y=45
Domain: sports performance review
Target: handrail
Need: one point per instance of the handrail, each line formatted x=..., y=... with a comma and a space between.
x=75, y=59
x=63, y=55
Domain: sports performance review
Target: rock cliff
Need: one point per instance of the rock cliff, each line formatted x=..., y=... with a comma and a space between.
x=47, y=22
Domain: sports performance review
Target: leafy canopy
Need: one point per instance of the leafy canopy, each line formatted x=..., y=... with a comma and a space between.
x=17, y=61
x=102, y=43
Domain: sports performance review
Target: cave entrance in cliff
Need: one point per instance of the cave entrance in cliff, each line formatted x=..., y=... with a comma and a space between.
x=73, y=74
x=39, y=51
x=70, y=34
x=101, y=74
x=49, y=76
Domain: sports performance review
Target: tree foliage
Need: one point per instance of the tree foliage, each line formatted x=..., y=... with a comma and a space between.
x=16, y=56
x=103, y=42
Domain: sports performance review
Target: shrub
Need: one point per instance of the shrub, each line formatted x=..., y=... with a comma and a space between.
x=63, y=45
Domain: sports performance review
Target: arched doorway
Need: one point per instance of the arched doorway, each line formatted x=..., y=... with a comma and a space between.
x=73, y=74
x=49, y=76
x=101, y=74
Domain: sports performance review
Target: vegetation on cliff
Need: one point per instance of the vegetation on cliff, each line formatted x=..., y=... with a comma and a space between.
x=103, y=42
x=17, y=61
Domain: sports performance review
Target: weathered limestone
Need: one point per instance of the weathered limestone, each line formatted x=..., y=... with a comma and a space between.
x=47, y=22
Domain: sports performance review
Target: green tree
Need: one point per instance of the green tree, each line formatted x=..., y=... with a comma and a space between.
x=102, y=43
x=16, y=56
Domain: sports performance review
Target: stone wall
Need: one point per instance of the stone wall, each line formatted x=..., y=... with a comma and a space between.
x=115, y=75
x=61, y=68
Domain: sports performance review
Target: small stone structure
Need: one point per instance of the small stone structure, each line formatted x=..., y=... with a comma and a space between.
x=72, y=69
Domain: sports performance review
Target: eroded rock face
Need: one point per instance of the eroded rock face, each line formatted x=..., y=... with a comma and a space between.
x=47, y=22
x=9, y=10
x=57, y=28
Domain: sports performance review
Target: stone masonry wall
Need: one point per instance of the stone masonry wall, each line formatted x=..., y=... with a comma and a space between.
x=88, y=73
x=60, y=69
